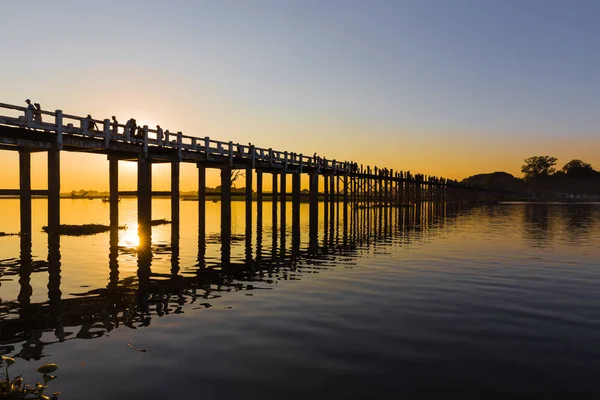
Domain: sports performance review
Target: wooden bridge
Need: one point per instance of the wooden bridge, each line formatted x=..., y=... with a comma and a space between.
x=343, y=181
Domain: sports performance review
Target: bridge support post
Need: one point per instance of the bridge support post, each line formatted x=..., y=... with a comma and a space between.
x=248, y=200
x=314, y=203
x=259, y=197
x=325, y=197
x=274, y=195
x=332, y=178
x=225, y=216
x=113, y=183
x=283, y=203
x=296, y=179
x=144, y=197
x=175, y=167
x=313, y=210
x=226, y=200
x=346, y=190
x=53, y=190
x=201, y=213
x=295, y=201
x=25, y=191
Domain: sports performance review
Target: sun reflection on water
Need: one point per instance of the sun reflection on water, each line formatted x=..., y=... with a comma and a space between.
x=129, y=238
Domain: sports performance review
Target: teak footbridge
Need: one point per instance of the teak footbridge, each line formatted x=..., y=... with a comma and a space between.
x=346, y=182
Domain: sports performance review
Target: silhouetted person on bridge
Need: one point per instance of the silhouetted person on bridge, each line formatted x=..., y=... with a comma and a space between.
x=91, y=124
x=132, y=127
x=115, y=126
x=159, y=134
x=140, y=132
x=37, y=113
x=29, y=107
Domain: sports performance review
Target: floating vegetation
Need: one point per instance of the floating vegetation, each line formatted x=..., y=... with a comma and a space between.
x=82, y=230
x=8, y=234
x=17, y=389
x=163, y=221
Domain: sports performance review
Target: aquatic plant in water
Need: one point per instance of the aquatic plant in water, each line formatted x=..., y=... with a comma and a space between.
x=16, y=389
x=81, y=230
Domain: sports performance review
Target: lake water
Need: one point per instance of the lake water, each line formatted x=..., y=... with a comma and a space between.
x=491, y=302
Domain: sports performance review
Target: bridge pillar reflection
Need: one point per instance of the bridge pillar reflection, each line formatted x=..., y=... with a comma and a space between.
x=25, y=269
x=25, y=191
x=53, y=189
x=54, y=293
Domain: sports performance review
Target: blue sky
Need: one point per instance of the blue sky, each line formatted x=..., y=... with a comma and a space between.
x=442, y=87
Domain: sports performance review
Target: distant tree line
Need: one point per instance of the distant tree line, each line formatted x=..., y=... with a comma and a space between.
x=541, y=177
x=543, y=166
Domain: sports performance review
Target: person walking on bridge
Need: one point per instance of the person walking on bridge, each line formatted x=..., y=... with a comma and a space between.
x=115, y=126
x=159, y=135
x=132, y=128
x=37, y=113
x=91, y=124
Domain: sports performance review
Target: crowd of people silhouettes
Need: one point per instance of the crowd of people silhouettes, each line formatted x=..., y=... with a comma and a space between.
x=132, y=130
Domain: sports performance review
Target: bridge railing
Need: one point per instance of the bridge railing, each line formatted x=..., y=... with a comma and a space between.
x=115, y=132
x=110, y=131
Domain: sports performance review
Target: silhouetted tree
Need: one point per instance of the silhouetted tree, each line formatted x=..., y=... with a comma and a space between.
x=578, y=168
x=539, y=166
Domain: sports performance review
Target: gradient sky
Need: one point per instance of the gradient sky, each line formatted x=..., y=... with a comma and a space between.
x=447, y=88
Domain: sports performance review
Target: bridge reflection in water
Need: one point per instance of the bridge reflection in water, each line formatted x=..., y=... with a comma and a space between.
x=132, y=302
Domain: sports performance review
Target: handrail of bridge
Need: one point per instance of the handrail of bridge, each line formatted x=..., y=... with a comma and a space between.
x=116, y=132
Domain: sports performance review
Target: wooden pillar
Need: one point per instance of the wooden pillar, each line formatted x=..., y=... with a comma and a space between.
x=274, y=193
x=113, y=182
x=325, y=199
x=144, y=190
x=53, y=189
x=25, y=191
x=175, y=191
x=283, y=205
x=248, y=198
x=259, y=197
x=226, y=200
x=314, y=200
x=201, y=214
x=295, y=201
x=346, y=192
x=144, y=200
x=225, y=216
x=332, y=179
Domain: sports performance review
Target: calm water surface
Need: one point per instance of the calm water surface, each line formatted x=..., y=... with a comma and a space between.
x=491, y=302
